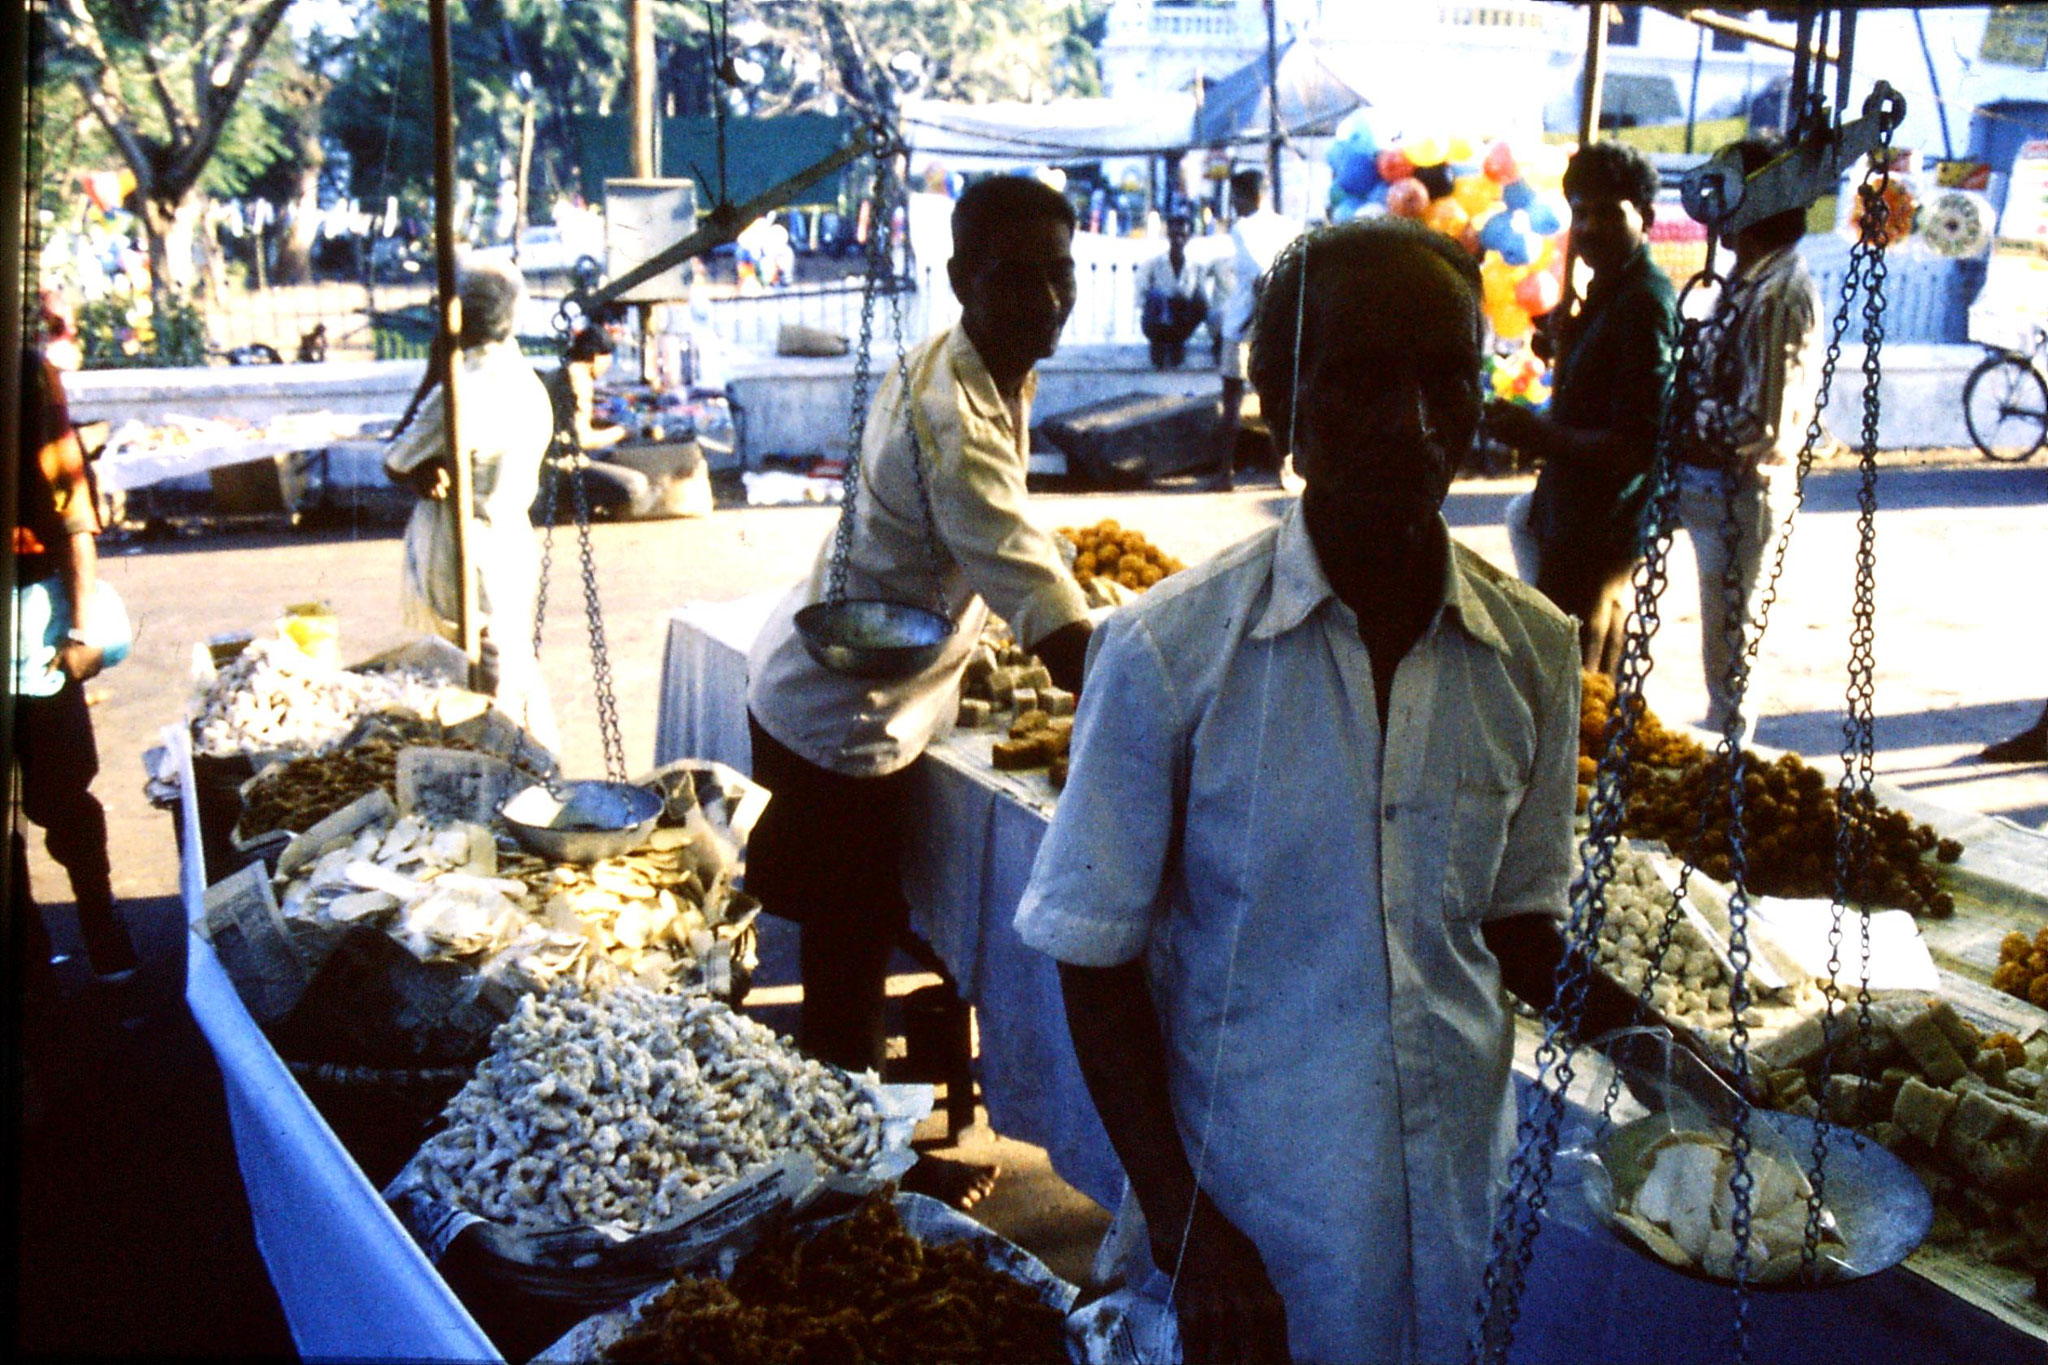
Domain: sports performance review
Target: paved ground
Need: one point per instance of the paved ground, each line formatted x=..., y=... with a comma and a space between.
x=1961, y=656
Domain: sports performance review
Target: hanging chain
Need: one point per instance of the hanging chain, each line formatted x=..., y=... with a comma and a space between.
x=1518, y=1218
x=1854, y=805
x=877, y=263
x=565, y=448
x=600, y=654
x=881, y=266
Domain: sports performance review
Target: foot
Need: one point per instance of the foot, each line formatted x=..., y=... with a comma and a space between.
x=958, y=1184
x=111, y=952
x=2028, y=746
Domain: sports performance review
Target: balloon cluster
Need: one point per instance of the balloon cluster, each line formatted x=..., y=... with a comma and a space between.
x=1503, y=201
x=1519, y=377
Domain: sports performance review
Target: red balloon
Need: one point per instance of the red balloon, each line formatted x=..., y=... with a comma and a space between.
x=1538, y=293
x=1500, y=164
x=1395, y=166
x=1408, y=198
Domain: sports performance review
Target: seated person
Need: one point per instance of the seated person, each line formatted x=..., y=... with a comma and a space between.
x=1171, y=298
x=613, y=490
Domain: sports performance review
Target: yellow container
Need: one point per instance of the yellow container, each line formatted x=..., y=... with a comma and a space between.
x=313, y=629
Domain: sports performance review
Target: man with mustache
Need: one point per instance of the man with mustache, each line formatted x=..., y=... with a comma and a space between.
x=1318, y=815
x=838, y=752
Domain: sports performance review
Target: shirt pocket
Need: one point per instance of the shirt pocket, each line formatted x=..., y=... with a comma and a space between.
x=1488, y=795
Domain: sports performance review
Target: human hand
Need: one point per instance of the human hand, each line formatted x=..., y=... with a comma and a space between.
x=80, y=662
x=1226, y=1304
x=432, y=480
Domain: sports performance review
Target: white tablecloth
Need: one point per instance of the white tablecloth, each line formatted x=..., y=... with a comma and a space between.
x=133, y=460
x=353, y=1283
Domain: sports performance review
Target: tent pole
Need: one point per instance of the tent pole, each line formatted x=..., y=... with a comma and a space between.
x=1594, y=76
x=460, y=474
x=1273, y=103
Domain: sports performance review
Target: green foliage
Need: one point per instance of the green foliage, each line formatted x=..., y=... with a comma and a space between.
x=575, y=54
x=119, y=331
x=159, y=60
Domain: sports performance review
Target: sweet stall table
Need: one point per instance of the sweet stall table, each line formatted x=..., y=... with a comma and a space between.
x=976, y=834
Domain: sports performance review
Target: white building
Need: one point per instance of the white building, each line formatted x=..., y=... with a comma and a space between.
x=1506, y=65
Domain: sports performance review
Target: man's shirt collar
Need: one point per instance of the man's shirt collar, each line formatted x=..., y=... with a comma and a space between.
x=976, y=384
x=1299, y=586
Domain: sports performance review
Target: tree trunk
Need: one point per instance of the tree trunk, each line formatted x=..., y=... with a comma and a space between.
x=294, y=264
x=169, y=229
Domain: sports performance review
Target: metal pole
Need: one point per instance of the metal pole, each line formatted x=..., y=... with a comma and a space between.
x=1692, y=103
x=1594, y=76
x=1273, y=102
x=451, y=331
x=640, y=58
x=525, y=169
x=1948, y=146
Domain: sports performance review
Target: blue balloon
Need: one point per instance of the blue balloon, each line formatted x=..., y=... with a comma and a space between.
x=1378, y=194
x=1358, y=172
x=1518, y=194
x=1522, y=246
x=1543, y=219
x=1499, y=233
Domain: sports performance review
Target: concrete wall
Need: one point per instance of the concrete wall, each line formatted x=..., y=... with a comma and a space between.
x=251, y=392
x=801, y=407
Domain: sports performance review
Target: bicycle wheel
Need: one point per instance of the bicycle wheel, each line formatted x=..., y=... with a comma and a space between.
x=2005, y=404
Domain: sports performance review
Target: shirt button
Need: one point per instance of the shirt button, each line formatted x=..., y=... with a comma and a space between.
x=1388, y=813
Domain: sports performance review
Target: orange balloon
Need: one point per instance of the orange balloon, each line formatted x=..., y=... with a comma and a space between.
x=1408, y=198
x=1538, y=293
x=1475, y=193
x=1447, y=216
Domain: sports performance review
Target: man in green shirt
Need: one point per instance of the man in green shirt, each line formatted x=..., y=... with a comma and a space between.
x=1612, y=368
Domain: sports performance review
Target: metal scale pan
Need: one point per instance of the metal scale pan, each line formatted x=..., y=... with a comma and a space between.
x=1881, y=1210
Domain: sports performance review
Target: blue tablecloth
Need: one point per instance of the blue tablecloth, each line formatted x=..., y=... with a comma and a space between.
x=353, y=1283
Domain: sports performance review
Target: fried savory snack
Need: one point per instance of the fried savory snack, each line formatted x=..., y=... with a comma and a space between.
x=299, y=794
x=1791, y=813
x=859, y=1290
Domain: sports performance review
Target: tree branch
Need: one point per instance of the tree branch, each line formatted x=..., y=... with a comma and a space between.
x=77, y=35
x=219, y=97
x=173, y=120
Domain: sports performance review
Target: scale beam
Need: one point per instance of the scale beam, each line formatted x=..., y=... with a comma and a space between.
x=1719, y=195
x=724, y=223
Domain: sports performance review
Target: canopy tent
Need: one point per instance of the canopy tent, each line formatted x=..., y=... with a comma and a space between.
x=1313, y=97
x=1006, y=132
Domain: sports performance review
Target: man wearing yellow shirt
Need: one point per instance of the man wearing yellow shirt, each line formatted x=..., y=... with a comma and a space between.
x=839, y=753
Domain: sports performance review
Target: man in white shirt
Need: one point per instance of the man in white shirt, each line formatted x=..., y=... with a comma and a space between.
x=839, y=752
x=1171, y=301
x=1256, y=238
x=1319, y=812
x=1763, y=376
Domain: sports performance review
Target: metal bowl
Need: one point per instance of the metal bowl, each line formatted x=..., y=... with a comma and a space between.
x=596, y=820
x=1881, y=1209
x=871, y=639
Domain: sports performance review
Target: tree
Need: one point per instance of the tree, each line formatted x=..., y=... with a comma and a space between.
x=788, y=56
x=129, y=60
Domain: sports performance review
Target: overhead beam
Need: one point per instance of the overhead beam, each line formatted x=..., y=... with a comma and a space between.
x=1739, y=28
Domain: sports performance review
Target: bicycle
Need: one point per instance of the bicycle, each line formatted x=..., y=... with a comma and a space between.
x=2005, y=401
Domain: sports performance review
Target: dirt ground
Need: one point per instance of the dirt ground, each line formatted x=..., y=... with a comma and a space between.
x=1961, y=655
